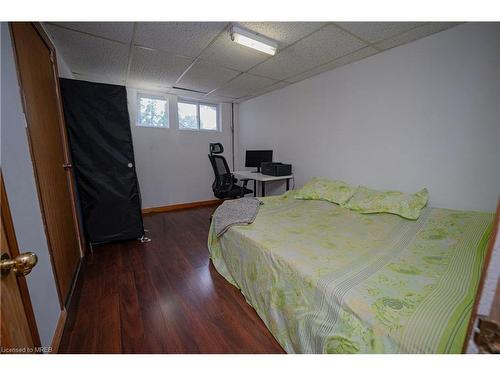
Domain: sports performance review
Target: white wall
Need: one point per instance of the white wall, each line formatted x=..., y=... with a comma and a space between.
x=172, y=164
x=425, y=114
x=19, y=180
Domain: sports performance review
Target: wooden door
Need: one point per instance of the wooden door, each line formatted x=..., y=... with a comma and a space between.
x=35, y=58
x=18, y=332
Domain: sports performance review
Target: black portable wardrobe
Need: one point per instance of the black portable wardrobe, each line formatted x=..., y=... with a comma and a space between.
x=100, y=139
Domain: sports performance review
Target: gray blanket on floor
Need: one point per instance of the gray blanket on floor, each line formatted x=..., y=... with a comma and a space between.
x=235, y=212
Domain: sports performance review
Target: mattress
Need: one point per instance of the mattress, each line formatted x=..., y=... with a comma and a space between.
x=325, y=279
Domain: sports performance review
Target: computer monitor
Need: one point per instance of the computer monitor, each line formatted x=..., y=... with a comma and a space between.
x=254, y=158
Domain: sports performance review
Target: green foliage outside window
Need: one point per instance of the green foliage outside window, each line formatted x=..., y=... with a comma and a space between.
x=153, y=113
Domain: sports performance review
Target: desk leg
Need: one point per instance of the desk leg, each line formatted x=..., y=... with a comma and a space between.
x=254, y=188
x=263, y=184
x=287, y=184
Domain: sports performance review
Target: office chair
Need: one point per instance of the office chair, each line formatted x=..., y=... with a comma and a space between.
x=225, y=185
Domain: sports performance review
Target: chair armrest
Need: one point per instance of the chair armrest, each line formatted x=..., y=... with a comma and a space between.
x=243, y=186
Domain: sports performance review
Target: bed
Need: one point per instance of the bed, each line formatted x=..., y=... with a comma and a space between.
x=325, y=279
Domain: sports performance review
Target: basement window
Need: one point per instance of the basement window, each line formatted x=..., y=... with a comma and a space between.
x=198, y=115
x=152, y=111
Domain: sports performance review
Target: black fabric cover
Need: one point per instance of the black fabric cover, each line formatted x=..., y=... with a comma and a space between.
x=100, y=139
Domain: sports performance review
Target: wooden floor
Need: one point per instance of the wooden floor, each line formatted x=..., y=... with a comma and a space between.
x=161, y=297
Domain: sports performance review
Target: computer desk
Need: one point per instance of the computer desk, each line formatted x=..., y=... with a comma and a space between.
x=262, y=178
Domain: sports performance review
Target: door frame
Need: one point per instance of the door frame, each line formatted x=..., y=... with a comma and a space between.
x=67, y=156
x=14, y=250
x=484, y=271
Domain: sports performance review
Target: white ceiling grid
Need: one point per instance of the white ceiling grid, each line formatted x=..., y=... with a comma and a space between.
x=198, y=59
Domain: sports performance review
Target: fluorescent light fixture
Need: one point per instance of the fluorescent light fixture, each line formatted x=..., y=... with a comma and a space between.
x=253, y=40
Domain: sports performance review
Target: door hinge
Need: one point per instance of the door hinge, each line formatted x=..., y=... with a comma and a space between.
x=67, y=166
x=487, y=335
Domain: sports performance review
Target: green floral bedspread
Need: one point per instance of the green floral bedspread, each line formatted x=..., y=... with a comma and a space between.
x=325, y=279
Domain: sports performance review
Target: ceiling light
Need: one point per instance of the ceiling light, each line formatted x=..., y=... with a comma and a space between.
x=253, y=40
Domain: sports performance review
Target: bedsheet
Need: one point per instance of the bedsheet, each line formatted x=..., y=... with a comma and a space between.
x=325, y=279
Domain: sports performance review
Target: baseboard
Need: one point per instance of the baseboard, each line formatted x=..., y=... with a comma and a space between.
x=56, y=339
x=180, y=206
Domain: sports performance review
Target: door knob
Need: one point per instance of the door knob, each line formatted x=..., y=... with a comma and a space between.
x=20, y=265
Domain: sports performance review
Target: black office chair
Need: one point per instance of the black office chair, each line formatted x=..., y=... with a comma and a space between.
x=225, y=185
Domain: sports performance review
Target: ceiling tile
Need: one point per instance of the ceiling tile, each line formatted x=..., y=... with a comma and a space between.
x=265, y=90
x=284, y=33
x=99, y=79
x=324, y=45
x=150, y=67
x=120, y=31
x=180, y=38
x=147, y=86
x=358, y=55
x=206, y=76
x=187, y=94
x=218, y=99
x=86, y=54
x=243, y=85
x=235, y=56
x=417, y=33
x=212, y=98
x=376, y=31
x=227, y=53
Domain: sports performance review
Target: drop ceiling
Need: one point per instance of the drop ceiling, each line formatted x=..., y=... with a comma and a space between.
x=198, y=59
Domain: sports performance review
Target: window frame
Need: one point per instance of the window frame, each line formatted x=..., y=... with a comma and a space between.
x=198, y=103
x=154, y=96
